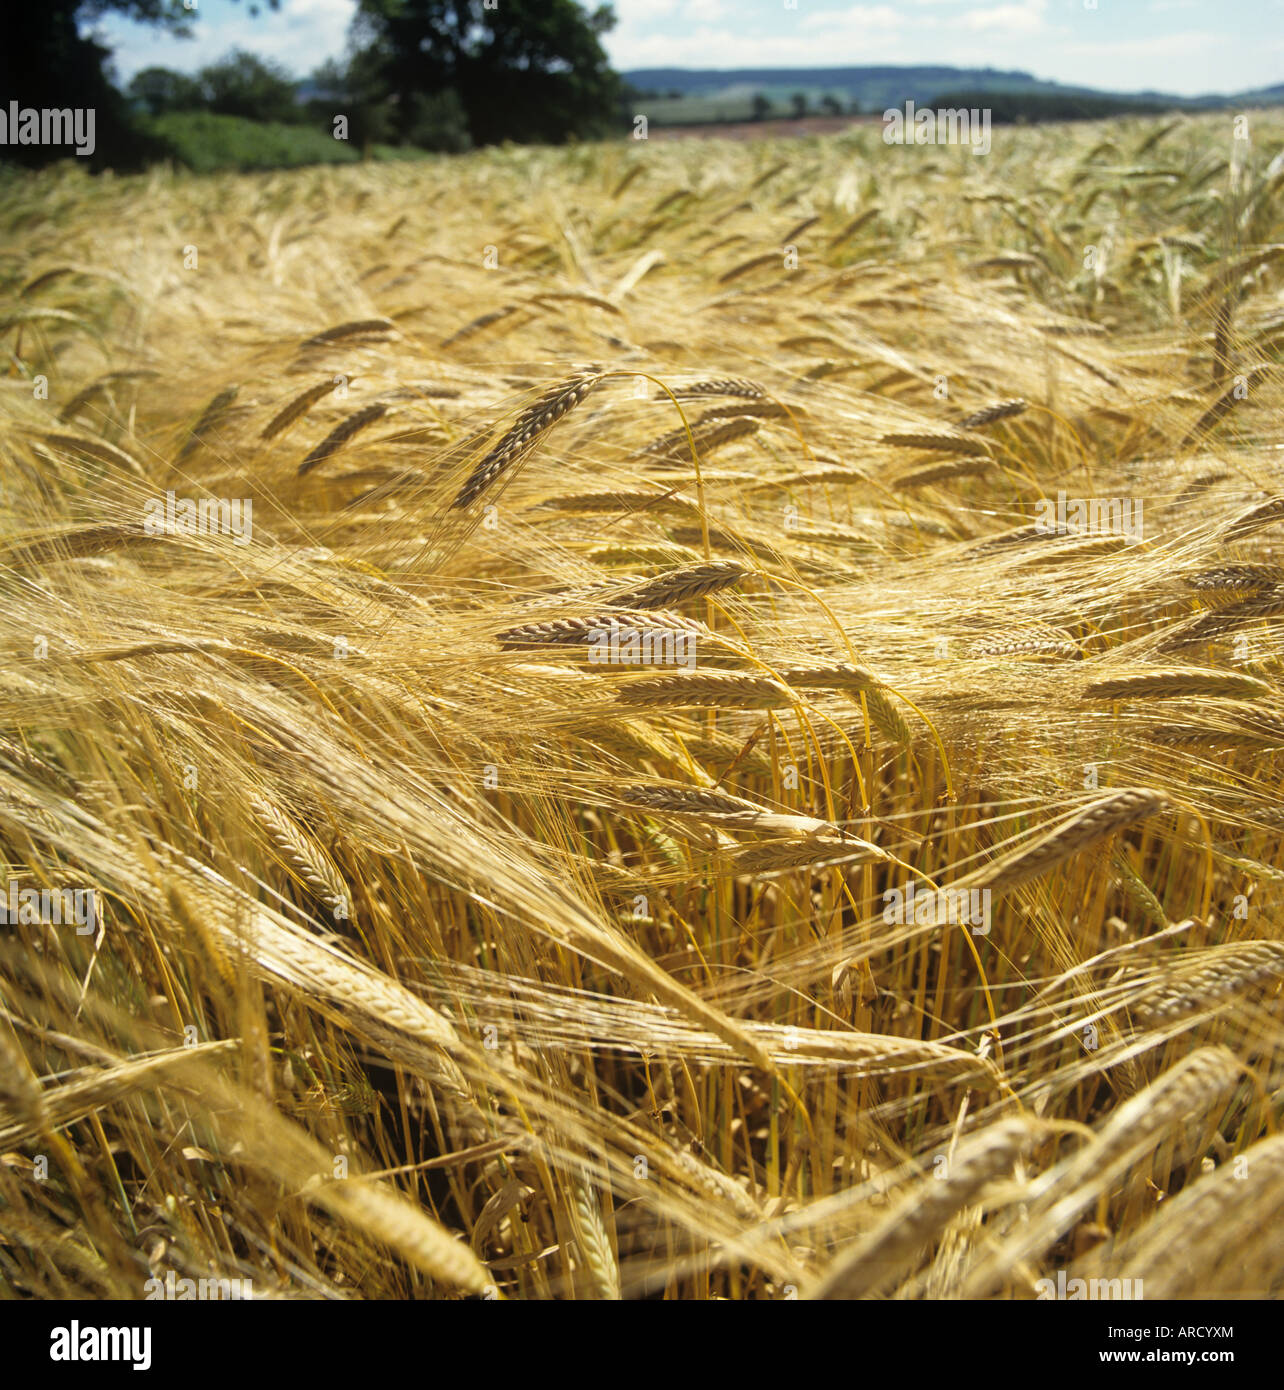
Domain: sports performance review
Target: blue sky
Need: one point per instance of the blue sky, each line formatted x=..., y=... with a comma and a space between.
x=1183, y=46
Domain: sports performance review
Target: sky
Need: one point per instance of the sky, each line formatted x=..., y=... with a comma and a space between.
x=1184, y=46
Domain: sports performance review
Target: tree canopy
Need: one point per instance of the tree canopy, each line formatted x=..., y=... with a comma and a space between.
x=45, y=61
x=523, y=70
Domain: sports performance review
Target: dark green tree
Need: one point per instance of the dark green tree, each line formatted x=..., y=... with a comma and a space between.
x=830, y=105
x=243, y=85
x=161, y=90
x=46, y=60
x=799, y=102
x=761, y=107
x=523, y=70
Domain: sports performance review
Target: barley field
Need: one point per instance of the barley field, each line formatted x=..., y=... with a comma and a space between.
x=718, y=735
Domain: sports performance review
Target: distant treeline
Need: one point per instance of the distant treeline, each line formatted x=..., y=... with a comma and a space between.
x=1030, y=108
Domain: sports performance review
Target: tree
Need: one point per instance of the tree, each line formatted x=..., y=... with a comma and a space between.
x=799, y=102
x=45, y=61
x=243, y=85
x=524, y=70
x=161, y=90
x=831, y=105
x=761, y=107
x=352, y=90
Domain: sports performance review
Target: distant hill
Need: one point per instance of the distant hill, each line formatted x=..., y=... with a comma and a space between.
x=727, y=93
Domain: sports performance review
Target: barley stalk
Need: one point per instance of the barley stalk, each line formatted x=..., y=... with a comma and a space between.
x=525, y=432
x=1174, y=683
x=935, y=439
x=1085, y=828
x=992, y=414
x=295, y=408
x=341, y=433
x=732, y=689
x=357, y=328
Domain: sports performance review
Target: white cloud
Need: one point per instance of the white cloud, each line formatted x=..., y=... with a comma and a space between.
x=851, y=25
x=1025, y=18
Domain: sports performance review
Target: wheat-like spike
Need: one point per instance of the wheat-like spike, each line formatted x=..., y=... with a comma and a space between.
x=1216, y=974
x=405, y=1227
x=806, y=851
x=37, y=769
x=1235, y=579
x=102, y=384
x=479, y=323
x=623, y=500
x=731, y=689
x=296, y=408
x=721, y=808
x=678, y=585
x=407, y=1030
x=305, y=856
x=595, y=1243
x=161, y=647
x=1064, y=648
x=1174, y=1107
x=20, y=1092
x=755, y=263
x=1008, y=260
x=884, y=715
x=356, y=328
x=97, y=450
x=525, y=432
x=735, y=410
x=935, y=439
x=1221, y=1232
x=1175, y=683
x=1138, y=891
x=705, y=1178
x=341, y=433
x=886, y=1253
x=70, y=1101
x=720, y=386
x=830, y=675
x=72, y=544
x=941, y=472
x=707, y=434
x=1222, y=404
x=579, y=631
x=1075, y=546
x=58, y=1244
x=1206, y=626
x=1022, y=535
x=209, y=417
x=991, y=414
x=1254, y=519
x=829, y=473
x=1262, y=729
x=1086, y=827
